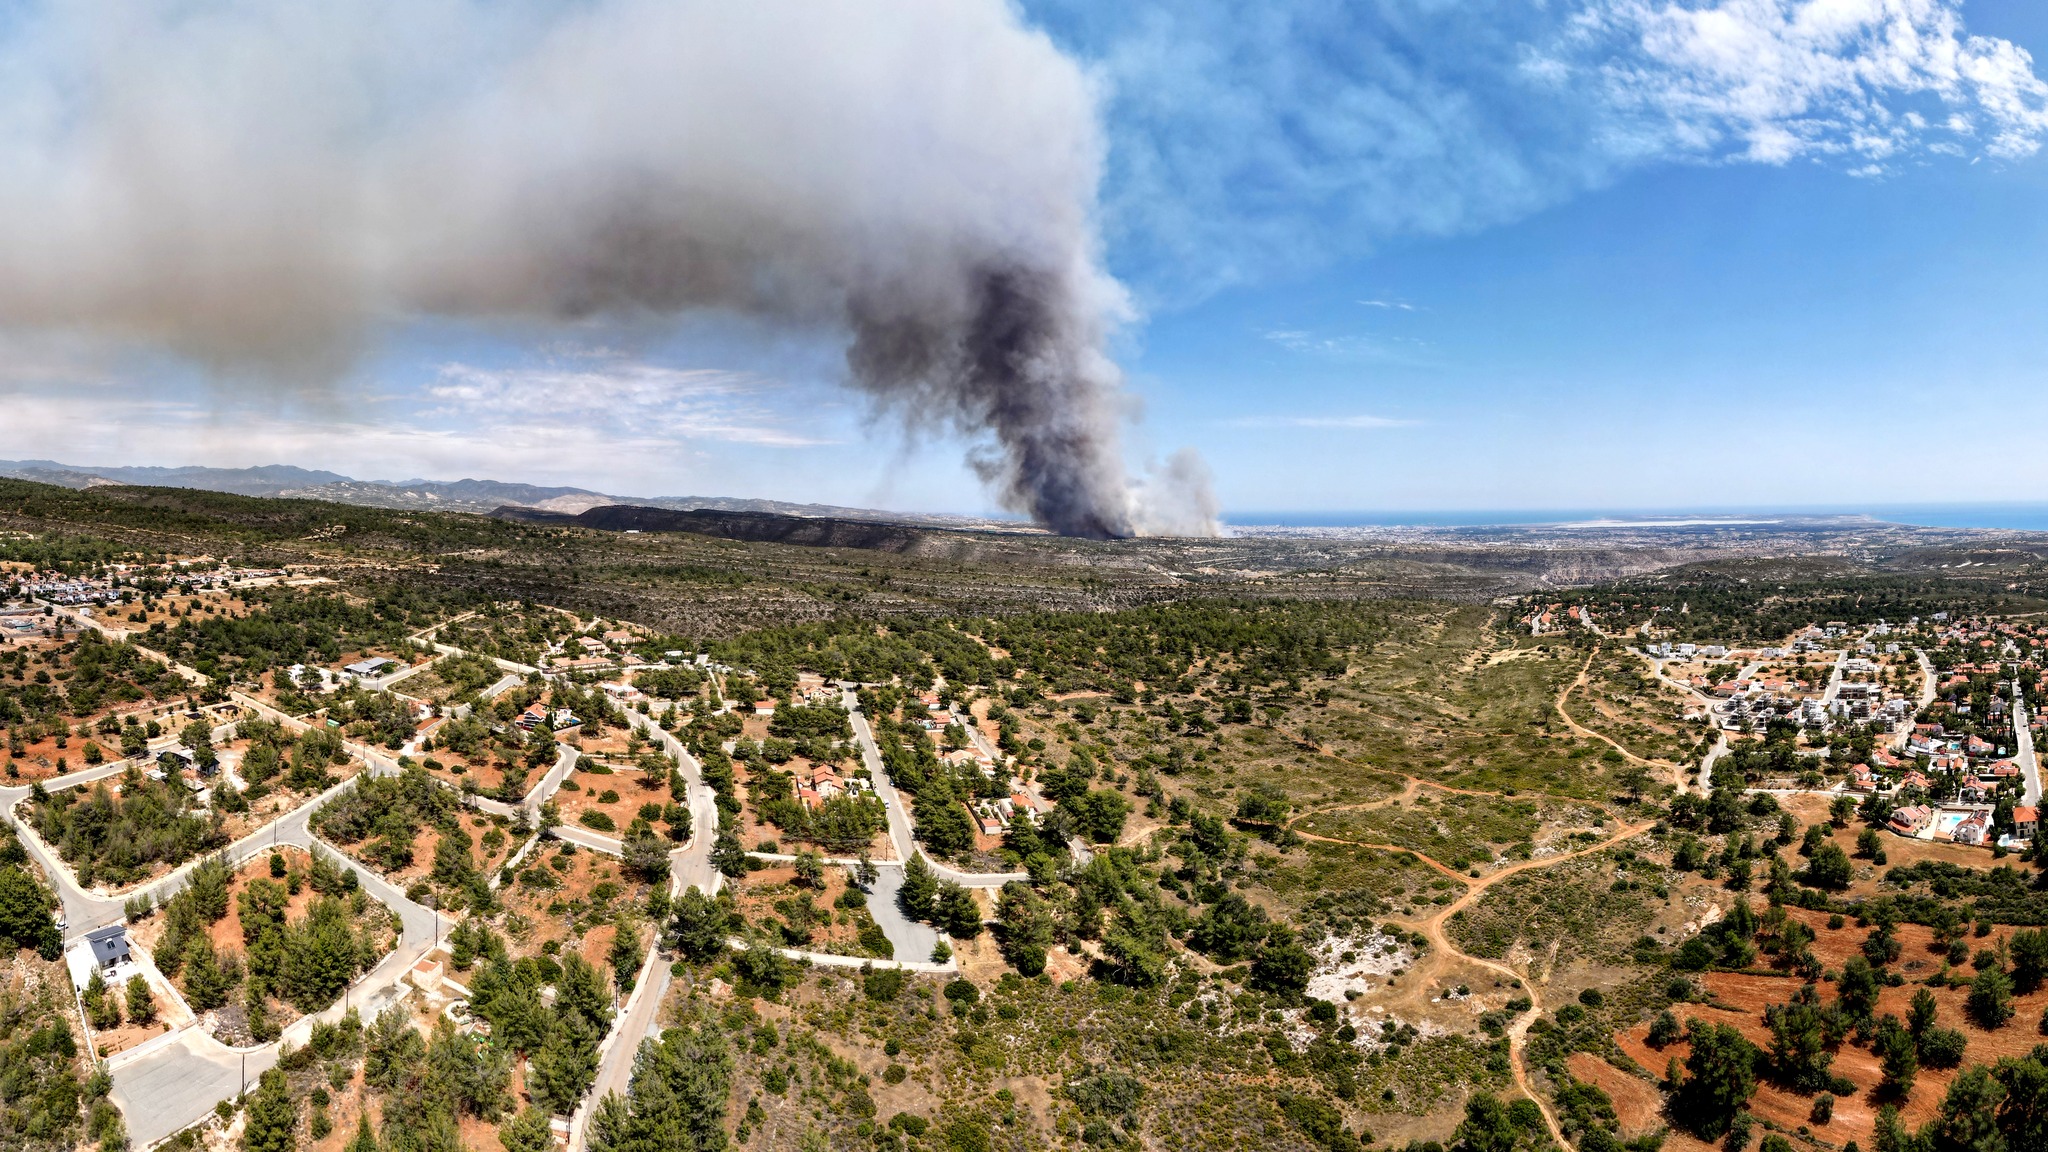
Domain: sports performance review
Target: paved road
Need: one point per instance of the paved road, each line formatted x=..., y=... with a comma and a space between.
x=164, y=1089
x=539, y=794
x=1719, y=750
x=689, y=867
x=1834, y=687
x=585, y=838
x=636, y=1023
x=2023, y=744
x=899, y=819
x=871, y=758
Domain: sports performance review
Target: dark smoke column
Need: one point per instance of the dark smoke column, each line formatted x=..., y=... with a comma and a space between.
x=1016, y=354
x=266, y=189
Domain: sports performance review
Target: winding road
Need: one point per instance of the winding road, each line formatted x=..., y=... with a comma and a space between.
x=174, y=1081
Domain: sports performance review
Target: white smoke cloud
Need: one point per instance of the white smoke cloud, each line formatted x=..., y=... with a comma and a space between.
x=260, y=186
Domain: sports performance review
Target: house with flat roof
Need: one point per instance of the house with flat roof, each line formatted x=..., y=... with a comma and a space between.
x=109, y=945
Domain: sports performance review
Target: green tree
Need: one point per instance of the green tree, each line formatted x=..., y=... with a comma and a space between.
x=1282, y=965
x=1857, y=989
x=391, y=1049
x=565, y=1065
x=1890, y=1133
x=1487, y=1126
x=272, y=1116
x=920, y=888
x=645, y=855
x=25, y=914
x=208, y=980
x=2029, y=950
x=942, y=825
x=1799, y=1051
x=2023, y=1113
x=1968, y=1119
x=365, y=1139
x=1829, y=867
x=810, y=869
x=453, y=862
x=1720, y=1077
x=141, y=1004
x=1099, y=815
x=465, y=1075
x=955, y=912
x=1229, y=929
x=697, y=925
x=676, y=1102
x=1023, y=927
x=526, y=1132
x=1990, y=1000
x=727, y=855
x=1923, y=1014
x=626, y=956
x=1897, y=1056
x=102, y=1008
x=321, y=954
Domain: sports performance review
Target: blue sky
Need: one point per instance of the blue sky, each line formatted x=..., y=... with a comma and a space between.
x=1390, y=255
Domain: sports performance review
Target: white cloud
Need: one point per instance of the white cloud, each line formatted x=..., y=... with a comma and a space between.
x=1262, y=140
x=615, y=394
x=1394, y=304
x=1771, y=81
x=1399, y=349
x=1339, y=422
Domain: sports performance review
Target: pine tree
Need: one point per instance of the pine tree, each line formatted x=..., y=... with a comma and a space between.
x=920, y=888
x=697, y=925
x=272, y=1116
x=141, y=1004
x=677, y=1099
x=956, y=912
x=365, y=1140
x=526, y=1132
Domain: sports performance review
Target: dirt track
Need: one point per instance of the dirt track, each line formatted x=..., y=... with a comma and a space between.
x=1430, y=968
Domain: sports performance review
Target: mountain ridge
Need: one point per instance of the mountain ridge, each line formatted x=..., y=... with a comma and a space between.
x=478, y=496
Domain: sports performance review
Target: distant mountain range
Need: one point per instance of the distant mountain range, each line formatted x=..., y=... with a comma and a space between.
x=477, y=496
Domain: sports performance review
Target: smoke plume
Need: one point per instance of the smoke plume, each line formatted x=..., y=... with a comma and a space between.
x=260, y=186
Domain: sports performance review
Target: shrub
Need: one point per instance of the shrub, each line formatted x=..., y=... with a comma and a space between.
x=598, y=821
x=1663, y=1030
